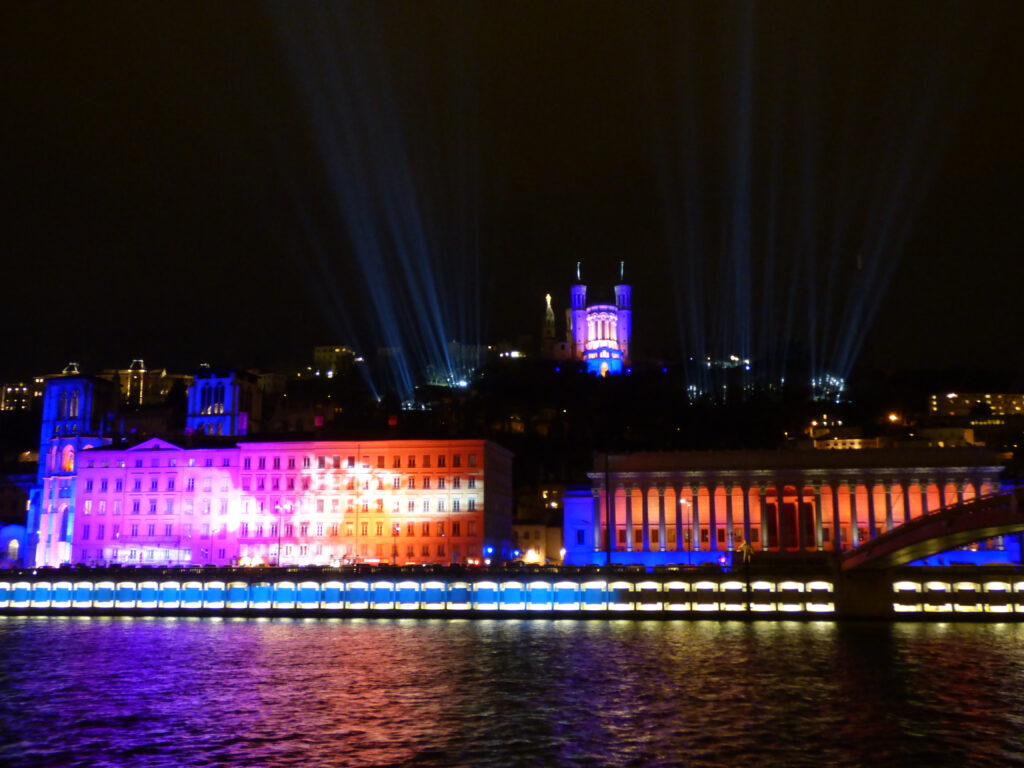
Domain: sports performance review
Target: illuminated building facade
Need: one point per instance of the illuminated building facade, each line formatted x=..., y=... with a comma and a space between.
x=969, y=403
x=288, y=503
x=684, y=507
x=601, y=332
x=20, y=395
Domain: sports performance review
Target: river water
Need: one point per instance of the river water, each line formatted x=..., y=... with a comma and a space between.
x=373, y=692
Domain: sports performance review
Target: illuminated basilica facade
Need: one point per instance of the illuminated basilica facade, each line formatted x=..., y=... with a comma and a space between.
x=600, y=333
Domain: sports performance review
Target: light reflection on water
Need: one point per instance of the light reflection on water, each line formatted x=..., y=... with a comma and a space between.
x=177, y=692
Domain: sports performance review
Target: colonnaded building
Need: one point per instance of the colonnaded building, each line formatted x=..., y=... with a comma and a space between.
x=664, y=508
x=225, y=499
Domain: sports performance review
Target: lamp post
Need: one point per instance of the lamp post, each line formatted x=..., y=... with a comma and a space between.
x=280, y=526
x=394, y=543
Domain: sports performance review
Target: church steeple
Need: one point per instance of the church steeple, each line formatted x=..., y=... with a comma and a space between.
x=549, y=320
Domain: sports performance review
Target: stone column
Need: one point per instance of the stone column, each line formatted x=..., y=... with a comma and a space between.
x=960, y=492
x=819, y=538
x=872, y=524
x=694, y=519
x=598, y=544
x=729, y=542
x=662, y=541
x=645, y=520
x=801, y=538
x=780, y=489
x=712, y=519
x=854, y=531
x=942, y=494
x=680, y=543
x=837, y=523
x=629, y=516
x=906, y=501
x=762, y=493
x=889, y=522
x=746, y=514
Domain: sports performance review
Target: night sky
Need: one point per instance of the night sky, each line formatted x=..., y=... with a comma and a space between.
x=237, y=182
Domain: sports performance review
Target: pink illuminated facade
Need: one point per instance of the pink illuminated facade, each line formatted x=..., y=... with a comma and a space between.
x=288, y=503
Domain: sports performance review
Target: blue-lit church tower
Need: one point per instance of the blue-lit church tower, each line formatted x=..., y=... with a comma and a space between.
x=77, y=411
x=223, y=402
x=601, y=332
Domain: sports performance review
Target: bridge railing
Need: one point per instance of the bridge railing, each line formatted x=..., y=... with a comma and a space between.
x=924, y=520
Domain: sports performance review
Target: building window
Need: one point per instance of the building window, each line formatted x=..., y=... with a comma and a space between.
x=247, y=462
x=456, y=482
x=456, y=528
x=364, y=528
x=85, y=532
x=455, y=505
x=471, y=482
x=426, y=550
x=135, y=529
x=334, y=529
x=321, y=462
x=412, y=462
x=581, y=536
x=471, y=505
x=306, y=463
x=304, y=529
x=88, y=486
x=471, y=528
x=137, y=486
x=411, y=506
x=440, y=550
x=380, y=462
x=380, y=528
x=456, y=460
x=190, y=484
x=118, y=486
x=426, y=506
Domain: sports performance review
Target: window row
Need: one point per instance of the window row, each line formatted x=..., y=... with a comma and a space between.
x=337, y=461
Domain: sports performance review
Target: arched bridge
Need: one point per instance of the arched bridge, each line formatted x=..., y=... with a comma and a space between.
x=996, y=514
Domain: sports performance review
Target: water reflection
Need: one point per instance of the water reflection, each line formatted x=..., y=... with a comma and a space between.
x=175, y=692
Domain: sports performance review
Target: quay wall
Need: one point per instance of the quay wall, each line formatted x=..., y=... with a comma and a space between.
x=912, y=593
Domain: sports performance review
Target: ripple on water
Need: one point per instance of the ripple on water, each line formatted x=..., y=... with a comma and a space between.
x=496, y=693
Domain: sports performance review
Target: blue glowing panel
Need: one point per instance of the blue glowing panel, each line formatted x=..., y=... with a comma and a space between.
x=383, y=593
x=458, y=594
x=148, y=594
x=238, y=593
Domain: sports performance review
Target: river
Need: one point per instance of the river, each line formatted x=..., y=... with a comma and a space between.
x=447, y=692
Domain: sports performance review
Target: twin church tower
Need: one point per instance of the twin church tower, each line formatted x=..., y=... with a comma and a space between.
x=597, y=334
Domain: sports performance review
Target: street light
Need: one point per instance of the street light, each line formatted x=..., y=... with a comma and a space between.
x=280, y=525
